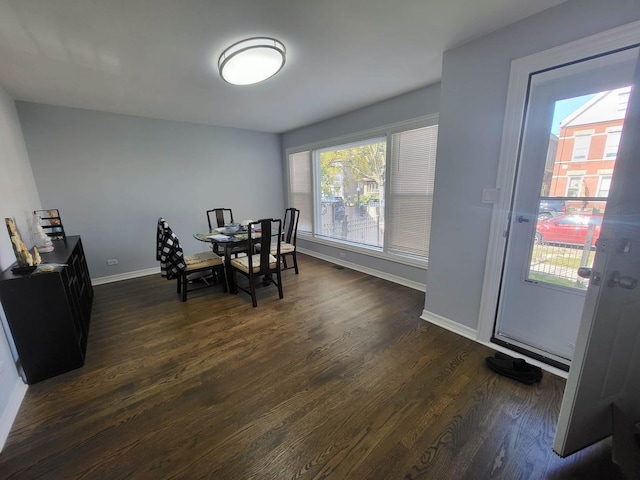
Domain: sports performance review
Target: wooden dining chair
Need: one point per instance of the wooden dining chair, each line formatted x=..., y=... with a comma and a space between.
x=289, y=239
x=219, y=217
x=174, y=264
x=262, y=266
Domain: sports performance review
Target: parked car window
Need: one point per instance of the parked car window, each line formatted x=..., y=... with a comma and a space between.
x=571, y=220
x=551, y=208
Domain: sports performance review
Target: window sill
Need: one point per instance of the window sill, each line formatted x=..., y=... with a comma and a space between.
x=369, y=251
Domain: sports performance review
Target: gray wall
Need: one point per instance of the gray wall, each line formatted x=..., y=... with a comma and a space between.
x=473, y=98
x=411, y=105
x=18, y=199
x=112, y=176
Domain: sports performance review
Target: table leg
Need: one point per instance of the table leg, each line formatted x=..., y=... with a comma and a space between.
x=231, y=279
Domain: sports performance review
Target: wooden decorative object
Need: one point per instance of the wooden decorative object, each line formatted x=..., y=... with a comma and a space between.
x=23, y=257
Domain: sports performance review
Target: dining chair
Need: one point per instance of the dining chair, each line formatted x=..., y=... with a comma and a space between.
x=174, y=264
x=219, y=217
x=264, y=265
x=289, y=239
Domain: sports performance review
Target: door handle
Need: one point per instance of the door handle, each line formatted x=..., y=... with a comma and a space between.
x=522, y=219
x=628, y=283
x=586, y=272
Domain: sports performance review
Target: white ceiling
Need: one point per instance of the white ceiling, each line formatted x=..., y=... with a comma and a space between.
x=157, y=58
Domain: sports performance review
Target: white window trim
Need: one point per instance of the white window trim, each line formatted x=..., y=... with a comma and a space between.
x=610, y=131
x=419, y=122
x=621, y=106
x=575, y=143
x=364, y=250
x=600, y=178
x=569, y=178
x=383, y=131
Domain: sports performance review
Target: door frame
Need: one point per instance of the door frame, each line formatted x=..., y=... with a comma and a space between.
x=517, y=96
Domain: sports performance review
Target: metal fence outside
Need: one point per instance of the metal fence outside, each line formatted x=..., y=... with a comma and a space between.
x=558, y=264
x=362, y=229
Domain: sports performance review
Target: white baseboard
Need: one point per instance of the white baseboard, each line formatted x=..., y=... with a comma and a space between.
x=11, y=410
x=472, y=334
x=125, y=276
x=369, y=271
x=450, y=325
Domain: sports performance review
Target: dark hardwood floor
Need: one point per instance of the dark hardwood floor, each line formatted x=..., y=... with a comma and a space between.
x=341, y=379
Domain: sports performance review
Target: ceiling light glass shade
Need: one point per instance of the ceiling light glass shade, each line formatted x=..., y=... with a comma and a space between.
x=251, y=61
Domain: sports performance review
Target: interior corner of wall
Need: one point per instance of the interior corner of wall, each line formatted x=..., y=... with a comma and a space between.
x=450, y=325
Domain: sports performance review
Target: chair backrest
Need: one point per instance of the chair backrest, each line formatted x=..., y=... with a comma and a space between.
x=219, y=217
x=169, y=252
x=291, y=216
x=270, y=234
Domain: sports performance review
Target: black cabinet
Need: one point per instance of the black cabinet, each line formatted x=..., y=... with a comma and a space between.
x=48, y=312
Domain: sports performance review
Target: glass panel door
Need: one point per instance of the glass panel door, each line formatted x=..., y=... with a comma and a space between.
x=563, y=171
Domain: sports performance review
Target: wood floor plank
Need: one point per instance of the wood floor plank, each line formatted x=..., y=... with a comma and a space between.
x=341, y=379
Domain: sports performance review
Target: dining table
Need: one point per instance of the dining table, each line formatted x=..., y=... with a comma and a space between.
x=231, y=241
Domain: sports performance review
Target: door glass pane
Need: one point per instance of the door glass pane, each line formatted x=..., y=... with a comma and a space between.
x=581, y=158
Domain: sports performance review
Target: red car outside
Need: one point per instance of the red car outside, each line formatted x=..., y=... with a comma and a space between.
x=569, y=229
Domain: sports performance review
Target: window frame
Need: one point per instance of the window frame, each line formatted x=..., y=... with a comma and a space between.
x=386, y=131
x=580, y=179
x=581, y=135
x=601, y=179
x=622, y=101
x=612, y=133
x=315, y=166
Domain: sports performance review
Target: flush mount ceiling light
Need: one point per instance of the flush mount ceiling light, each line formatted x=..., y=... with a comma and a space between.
x=251, y=61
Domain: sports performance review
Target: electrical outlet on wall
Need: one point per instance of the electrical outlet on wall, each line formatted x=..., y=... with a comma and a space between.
x=113, y=261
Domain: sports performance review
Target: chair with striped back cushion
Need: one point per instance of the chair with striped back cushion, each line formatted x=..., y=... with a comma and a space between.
x=290, y=238
x=174, y=264
x=264, y=265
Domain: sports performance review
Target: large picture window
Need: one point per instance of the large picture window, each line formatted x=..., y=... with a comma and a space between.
x=352, y=179
x=372, y=194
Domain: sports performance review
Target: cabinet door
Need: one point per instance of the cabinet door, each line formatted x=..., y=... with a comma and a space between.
x=70, y=282
x=40, y=319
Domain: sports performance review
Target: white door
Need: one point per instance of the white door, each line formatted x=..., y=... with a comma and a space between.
x=606, y=365
x=541, y=296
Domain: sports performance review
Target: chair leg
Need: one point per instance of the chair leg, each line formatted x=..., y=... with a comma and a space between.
x=252, y=286
x=295, y=261
x=278, y=275
x=184, y=287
